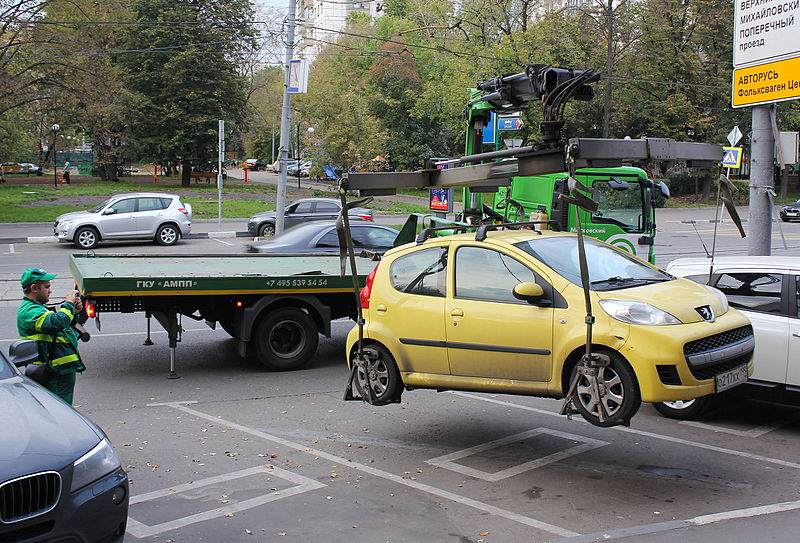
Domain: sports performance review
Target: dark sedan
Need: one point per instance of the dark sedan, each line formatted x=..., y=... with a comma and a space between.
x=321, y=237
x=60, y=479
x=790, y=212
x=307, y=209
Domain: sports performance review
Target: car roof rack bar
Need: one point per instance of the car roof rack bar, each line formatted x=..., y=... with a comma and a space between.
x=481, y=233
x=426, y=232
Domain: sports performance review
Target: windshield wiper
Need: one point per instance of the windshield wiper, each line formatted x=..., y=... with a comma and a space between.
x=617, y=280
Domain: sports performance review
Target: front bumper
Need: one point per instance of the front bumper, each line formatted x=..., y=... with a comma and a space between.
x=87, y=515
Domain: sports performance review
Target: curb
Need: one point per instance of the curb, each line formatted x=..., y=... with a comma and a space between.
x=201, y=235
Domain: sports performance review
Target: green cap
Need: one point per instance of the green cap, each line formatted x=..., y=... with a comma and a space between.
x=31, y=275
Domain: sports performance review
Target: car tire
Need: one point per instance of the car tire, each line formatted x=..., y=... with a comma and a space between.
x=167, y=235
x=266, y=229
x=286, y=339
x=387, y=385
x=622, y=399
x=86, y=238
x=685, y=410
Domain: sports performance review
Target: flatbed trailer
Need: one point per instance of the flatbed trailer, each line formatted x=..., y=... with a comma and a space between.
x=275, y=304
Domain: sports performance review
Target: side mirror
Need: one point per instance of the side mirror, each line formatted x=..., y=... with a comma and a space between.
x=664, y=189
x=22, y=352
x=529, y=292
x=109, y=211
x=618, y=184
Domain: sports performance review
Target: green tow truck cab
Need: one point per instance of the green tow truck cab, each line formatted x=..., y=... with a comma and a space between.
x=626, y=201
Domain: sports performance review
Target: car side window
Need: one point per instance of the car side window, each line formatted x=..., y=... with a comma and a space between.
x=150, y=204
x=421, y=272
x=303, y=207
x=127, y=205
x=327, y=207
x=380, y=238
x=165, y=202
x=331, y=239
x=757, y=291
x=499, y=274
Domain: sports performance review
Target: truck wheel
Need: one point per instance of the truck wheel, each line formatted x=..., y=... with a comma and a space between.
x=266, y=229
x=619, y=394
x=685, y=410
x=86, y=238
x=384, y=377
x=167, y=234
x=286, y=339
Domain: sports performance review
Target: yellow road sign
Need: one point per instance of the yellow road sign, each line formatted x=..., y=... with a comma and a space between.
x=731, y=157
x=767, y=83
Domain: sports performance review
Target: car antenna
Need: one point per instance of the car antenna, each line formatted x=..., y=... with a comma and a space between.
x=694, y=225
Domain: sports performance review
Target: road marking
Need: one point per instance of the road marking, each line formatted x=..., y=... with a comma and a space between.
x=448, y=461
x=11, y=248
x=463, y=500
x=677, y=440
x=140, y=530
x=758, y=431
x=221, y=241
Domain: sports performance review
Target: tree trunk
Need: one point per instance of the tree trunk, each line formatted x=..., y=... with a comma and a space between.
x=706, y=188
x=609, y=69
x=186, y=171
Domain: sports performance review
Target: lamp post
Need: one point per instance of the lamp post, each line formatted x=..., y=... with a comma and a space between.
x=310, y=131
x=55, y=169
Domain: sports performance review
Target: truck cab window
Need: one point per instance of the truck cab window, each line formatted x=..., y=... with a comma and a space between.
x=620, y=207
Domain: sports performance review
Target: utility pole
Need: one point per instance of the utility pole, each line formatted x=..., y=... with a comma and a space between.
x=280, y=204
x=761, y=182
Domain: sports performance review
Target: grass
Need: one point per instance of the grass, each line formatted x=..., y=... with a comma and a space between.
x=44, y=202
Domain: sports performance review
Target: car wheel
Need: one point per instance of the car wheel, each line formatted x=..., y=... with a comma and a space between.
x=685, y=409
x=286, y=339
x=384, y=376
x=167, y=234
x=266, y=229
x=86, y=238
x=619, y=394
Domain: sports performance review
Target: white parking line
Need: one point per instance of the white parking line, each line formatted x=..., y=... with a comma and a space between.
x=140, y=530
x=222, y=241
x=397, y=479
x=752, y=433
x=671, y=439
x=448, y=461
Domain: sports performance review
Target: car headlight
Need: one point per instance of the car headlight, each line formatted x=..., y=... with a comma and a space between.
x=637, y=313
x=253, y=219
x=100, y=461
x=722, y=297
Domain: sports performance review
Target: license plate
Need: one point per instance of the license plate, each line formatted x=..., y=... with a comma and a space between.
x=731, y=378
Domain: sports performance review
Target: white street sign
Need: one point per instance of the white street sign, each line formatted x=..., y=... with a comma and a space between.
x=764, y=31
x=734, y=135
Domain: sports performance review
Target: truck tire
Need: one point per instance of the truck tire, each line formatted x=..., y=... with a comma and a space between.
x=285, y=339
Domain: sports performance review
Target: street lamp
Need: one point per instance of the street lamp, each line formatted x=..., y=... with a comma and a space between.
x=310, y=131
x=55, y=170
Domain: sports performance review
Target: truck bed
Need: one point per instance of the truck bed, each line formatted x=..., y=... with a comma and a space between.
x=157, y=275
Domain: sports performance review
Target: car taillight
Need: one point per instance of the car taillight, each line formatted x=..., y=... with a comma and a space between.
x=364, y=217
x=366, y=292
x=90, y=311
x=184, y=211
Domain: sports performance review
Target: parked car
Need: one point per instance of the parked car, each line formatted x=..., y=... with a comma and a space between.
x=60, y=479
x=255, y=165
x=766, y=289
x=504, y=312
x=322, y=237
x=303, y=166
x=13, y=167
x=790, y=212
x=307, y=209
x=30, y=168
x=139, y=215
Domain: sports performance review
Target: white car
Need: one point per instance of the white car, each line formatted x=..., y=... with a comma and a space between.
x=158, y=216
x=767, y=290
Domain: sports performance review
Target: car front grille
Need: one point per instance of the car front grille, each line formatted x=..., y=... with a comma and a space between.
x=29, y=496
x=715, y=354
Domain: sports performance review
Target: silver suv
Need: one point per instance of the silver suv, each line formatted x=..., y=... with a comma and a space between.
x=138, y=215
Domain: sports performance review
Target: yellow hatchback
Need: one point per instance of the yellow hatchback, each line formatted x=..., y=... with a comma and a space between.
x=504, y=311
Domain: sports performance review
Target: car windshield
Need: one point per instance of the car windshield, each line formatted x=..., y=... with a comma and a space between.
x=98, y=207
x=609, y=268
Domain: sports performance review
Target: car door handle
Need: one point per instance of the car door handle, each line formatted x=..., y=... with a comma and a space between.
x=457, y=312
x=380, y=308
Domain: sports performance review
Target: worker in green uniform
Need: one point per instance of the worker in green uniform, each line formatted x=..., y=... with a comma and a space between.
x=57, y=341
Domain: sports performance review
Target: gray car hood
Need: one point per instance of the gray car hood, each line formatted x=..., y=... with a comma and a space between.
x=39, y=431
x=75, y=215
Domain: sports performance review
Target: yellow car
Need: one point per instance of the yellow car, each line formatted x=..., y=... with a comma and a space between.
x=504, y=311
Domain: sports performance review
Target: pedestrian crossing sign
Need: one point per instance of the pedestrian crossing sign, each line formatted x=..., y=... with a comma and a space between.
x=732, y=157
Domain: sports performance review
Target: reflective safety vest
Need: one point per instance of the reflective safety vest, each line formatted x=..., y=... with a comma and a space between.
x=55, y=338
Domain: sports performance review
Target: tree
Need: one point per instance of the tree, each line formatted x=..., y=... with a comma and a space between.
x=181, y=76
